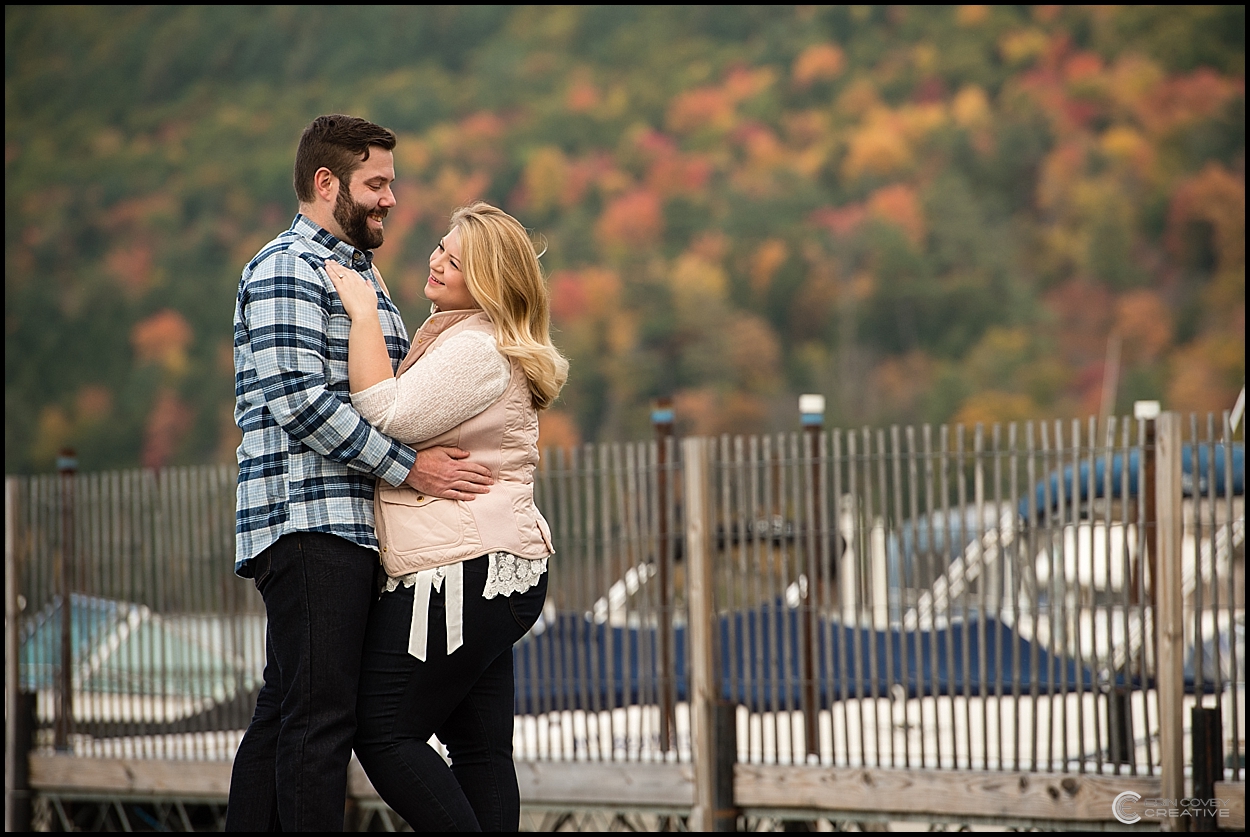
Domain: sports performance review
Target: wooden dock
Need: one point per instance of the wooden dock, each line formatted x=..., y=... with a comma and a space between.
x=837, y=793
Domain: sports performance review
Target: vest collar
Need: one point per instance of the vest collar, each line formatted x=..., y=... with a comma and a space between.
x=440, y=321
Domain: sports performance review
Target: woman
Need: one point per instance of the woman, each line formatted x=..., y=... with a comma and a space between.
x=465, y=580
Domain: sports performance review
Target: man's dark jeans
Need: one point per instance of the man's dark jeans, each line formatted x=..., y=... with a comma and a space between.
x=290, y=773
x=466, y=698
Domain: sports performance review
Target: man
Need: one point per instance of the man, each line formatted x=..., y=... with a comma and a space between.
x=307, y=469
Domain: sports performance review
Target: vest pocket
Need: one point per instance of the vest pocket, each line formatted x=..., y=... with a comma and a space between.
x=531, y=526
x=411, y=522
x=545, y=531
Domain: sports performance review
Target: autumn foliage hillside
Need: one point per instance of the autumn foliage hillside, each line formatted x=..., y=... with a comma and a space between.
x=929, y=214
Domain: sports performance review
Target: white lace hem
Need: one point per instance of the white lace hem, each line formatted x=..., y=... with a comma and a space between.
x=506, y=574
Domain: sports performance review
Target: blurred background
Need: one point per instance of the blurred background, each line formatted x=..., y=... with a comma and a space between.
x=927, y=214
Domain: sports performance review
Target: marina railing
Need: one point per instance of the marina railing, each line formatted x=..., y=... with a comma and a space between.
x=1043, y=597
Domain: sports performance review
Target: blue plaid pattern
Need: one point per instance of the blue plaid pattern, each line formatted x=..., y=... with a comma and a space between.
x=308, y=461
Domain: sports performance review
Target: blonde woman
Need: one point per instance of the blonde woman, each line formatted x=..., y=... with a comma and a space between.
x=466, y=577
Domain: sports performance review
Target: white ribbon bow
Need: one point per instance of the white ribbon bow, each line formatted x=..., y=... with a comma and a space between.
x=426, y=582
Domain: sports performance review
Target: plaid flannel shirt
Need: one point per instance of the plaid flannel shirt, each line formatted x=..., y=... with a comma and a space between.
x=308, y=461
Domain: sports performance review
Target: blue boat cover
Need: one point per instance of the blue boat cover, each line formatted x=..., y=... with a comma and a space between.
x=577, y=664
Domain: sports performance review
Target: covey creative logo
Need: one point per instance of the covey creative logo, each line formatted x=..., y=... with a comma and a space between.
x=1120, y=805
x=1126, y=809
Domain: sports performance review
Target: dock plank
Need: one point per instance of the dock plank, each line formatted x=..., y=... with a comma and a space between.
x=995, y=795
x=130, y=777
x=577, y=784
x=1234, y=793
x=670, y=787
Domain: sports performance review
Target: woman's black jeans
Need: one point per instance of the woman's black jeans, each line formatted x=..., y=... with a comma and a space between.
x=466, y=699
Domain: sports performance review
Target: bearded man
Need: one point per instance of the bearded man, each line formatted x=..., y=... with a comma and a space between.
x=308, y=464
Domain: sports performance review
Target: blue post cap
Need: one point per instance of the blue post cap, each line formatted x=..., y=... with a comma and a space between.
x=662, y=415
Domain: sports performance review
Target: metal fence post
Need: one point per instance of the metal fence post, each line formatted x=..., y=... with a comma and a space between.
x=16, y=791
x=67, y=465
x=662, y=421
x=1207, y=746
x=812, y=416
x=1169, y=617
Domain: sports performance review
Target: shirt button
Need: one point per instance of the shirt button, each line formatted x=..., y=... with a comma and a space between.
x=420, y=498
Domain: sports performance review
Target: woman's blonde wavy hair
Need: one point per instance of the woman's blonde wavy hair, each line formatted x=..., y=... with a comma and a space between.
x=501, y=270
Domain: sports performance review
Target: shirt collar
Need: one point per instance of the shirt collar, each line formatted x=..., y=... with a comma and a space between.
x=342, y=252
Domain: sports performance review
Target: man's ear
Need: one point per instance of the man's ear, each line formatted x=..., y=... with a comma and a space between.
x=326, y=184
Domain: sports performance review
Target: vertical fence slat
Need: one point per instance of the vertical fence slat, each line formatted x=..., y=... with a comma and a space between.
x=1234, y=702
x=996, y=581
x=663, y=456
x=617, y=544
x=1018, y=573
x=869, y=624
x=1197, y=448
x=584, y=515
x=555, y=694
x=641, y=494
x=533, y=699
x=945, y=559
x=776, y=648
x=753, y=678
x=862, y=587
x=583, y=630
x=1145, y=614
x=845, y=588
x=826, y=517
x=1029, y=567
x=1133, y=593
x=606, y=565
x=1213, y=528
x=86, y=578
x=930, y=556
x=808, y=538
x=1102, y=660
x=1053, y=537
x=958, y=552
x=911, y=555
x=981, y=534
x=1115, y=712
x=904, y=583
x=784, y=519
x=881, y=610
x=12, y=650
x=1078, y=457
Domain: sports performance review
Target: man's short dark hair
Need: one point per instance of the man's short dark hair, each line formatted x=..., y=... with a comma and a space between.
x=339, y=143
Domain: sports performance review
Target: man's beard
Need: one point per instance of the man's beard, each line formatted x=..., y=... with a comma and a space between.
x=353, y=218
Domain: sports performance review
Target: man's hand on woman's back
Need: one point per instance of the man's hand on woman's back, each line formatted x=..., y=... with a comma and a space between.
x=448, y=473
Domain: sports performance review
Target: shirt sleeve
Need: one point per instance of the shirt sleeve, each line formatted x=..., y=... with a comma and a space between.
x=287, y=314
x=454, y=382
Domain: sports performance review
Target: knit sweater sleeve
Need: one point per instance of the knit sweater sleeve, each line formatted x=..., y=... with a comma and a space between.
x=452, y=383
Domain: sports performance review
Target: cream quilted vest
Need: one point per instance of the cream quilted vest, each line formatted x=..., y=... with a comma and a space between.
x=418, y=532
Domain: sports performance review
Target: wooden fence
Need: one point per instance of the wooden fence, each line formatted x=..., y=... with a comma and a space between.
x=843, y=623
